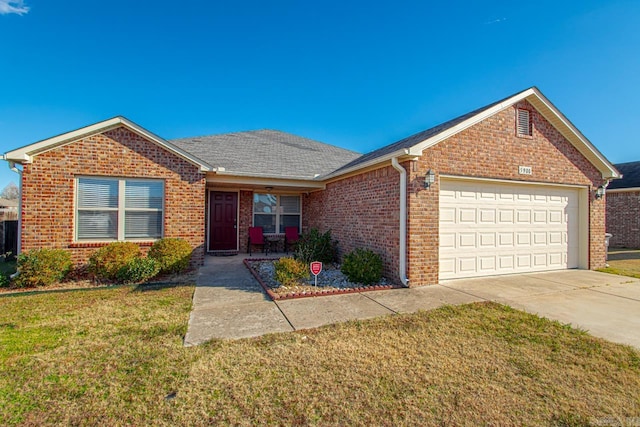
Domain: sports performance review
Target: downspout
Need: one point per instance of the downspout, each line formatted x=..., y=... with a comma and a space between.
x=403, y=220
x=12, y=166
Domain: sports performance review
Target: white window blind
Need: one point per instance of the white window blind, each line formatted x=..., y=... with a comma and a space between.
x=97, y=209
x=118, y=209
x=143, y=209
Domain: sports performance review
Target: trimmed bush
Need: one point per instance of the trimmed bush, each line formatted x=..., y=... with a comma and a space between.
x=42, y=267
x=289, y=271
x=138, y=270
x=108, y=260
x=316, y=246
x=173, y=254
x=362, y=266
x=4, y=280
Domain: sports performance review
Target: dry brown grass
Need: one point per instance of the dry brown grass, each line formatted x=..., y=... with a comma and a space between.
x=111, y=356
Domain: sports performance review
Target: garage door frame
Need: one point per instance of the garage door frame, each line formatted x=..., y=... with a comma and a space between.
x=583, y=208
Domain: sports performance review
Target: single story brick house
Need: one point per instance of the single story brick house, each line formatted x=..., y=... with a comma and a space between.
x=507, y=188
x=623, y=207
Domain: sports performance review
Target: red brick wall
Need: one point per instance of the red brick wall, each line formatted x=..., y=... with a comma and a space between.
x=623, y=218
x=48, y=189
x=361, y=212
x=489, y=149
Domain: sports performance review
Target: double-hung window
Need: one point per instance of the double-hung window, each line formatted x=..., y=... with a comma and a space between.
x=119, y=209
x=275, y=212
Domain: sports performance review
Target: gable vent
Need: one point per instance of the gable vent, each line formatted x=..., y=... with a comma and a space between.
x=524, y=122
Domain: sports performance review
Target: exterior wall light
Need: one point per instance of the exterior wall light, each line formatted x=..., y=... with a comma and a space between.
x=429, y=178
x=600, y=192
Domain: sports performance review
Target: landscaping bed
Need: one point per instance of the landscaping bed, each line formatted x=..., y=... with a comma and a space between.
x=331, y=281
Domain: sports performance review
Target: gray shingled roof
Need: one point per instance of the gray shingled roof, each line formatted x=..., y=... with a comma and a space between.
x=273, y=153
x=268, y=153
x=630, y=176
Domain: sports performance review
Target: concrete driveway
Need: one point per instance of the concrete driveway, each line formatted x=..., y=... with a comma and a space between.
x=606, y=305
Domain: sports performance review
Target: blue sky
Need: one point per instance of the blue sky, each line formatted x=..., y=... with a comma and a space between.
x=358, y=74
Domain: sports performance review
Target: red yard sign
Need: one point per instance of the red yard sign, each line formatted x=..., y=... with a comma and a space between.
x=316, y=267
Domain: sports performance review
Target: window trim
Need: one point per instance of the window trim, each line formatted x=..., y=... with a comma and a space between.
x=121, y=209
x=278, y=209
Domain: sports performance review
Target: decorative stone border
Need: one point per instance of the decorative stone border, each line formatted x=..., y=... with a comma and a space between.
x=323, y=292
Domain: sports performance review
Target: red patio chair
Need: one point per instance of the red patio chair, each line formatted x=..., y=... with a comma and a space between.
x=291, y=237
x=256, y=237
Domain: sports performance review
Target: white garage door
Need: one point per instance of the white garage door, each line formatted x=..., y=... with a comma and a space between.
x=493, y=228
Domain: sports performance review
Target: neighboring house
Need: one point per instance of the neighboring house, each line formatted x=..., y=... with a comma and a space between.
x=513, y=190
x=623, y=207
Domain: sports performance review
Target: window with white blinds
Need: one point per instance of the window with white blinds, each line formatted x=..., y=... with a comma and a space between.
x=275, y=212
x=524, y=122
x=119, y=209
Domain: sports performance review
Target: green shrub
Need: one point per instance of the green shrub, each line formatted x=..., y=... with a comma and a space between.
x=173, y=255
x=362, y=266
x=42, y=267
x=289, y=271
x=4, y=280
x=138, y=270
x=108, y=260
x=316, y=246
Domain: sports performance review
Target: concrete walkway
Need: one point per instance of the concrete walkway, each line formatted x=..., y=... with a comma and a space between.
x=228, y=302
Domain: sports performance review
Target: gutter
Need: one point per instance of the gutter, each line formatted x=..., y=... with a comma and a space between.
x=403, y=221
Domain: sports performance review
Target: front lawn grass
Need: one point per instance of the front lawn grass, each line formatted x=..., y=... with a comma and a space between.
x=625, y=262
x=114, y=356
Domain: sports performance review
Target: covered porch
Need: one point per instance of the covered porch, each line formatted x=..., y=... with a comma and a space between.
x=234, y=204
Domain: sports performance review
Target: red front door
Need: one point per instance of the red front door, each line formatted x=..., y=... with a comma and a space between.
x=223, y=227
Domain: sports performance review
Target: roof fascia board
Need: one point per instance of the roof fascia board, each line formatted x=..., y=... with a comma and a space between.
x=610, y=171
x=26, y=153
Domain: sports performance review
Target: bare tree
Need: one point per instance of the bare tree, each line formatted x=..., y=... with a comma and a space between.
x=10, y=192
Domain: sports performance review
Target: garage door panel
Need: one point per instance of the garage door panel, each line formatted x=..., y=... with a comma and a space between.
x=505, y=239
x=467, y=240
x=556, y=237
x=523, y=216
x=487, y=263
x=505, y=216
x=540, y=216
x=448, y=240
x=467, y=216
x=467, y=264
x=506, y=262
x=506, y=228
x=487, y=240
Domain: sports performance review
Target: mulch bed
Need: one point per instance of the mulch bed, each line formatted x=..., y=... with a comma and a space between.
x=330, y=282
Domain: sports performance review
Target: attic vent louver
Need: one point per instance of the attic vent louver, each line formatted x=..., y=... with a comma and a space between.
x=524, y=122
